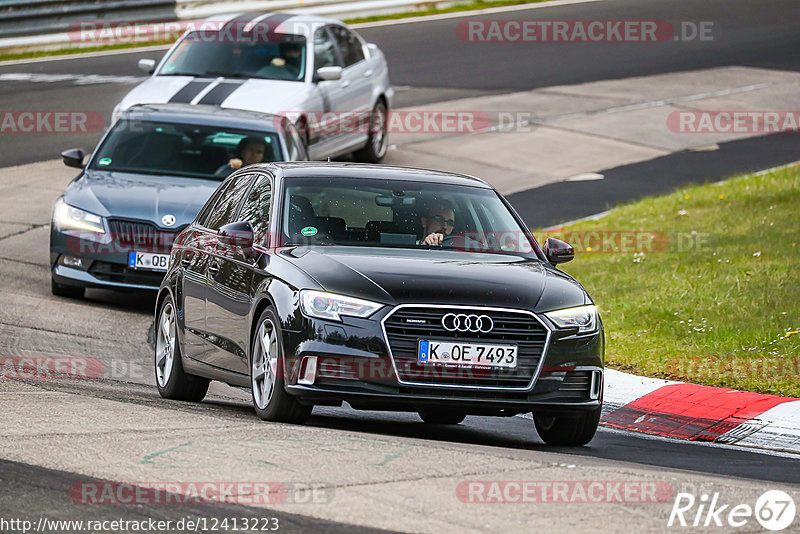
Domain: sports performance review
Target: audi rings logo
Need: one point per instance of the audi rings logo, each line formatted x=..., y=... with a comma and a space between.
x=462, y=322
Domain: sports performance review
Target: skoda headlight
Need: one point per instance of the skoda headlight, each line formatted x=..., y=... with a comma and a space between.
x=329, y=306
x=583, y=317
x=68, y=218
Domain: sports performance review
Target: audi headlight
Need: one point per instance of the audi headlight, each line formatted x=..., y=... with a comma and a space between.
x=329, y=306
x=69, y=218
x=583, y=317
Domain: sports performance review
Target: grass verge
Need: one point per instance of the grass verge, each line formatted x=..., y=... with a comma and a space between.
x=714, y=298
x=478, y=4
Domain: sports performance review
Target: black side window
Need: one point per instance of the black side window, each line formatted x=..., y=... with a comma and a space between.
x=256, y=209
x=324, y=50
x=228, y=204
x=212, y=201
x=350, y=45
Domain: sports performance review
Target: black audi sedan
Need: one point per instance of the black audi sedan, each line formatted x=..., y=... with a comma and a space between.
x=147, y=180
x=387, y=288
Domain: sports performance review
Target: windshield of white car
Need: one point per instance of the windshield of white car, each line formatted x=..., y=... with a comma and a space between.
x=267, y=56
x=400, y=213
x=174, y=149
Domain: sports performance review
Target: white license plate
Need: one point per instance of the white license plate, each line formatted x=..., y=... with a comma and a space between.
x=467, y=354
x=148, y=261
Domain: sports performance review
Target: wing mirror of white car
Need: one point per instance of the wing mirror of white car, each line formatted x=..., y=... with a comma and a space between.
x=147, y=65
x=329, y=74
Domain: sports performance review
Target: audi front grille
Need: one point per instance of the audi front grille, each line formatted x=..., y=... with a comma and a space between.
x=406, y=325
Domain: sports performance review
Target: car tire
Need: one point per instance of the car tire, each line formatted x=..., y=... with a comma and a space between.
x=378, y=140
x=171, y=379
x=70, y=292
x=569, y=430
x=267, y=371
x=442, y=416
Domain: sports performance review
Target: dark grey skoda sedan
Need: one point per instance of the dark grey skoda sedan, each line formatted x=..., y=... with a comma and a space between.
x=387, y=288
x=149, y=176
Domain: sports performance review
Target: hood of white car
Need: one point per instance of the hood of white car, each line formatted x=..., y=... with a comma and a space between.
x=265, y=96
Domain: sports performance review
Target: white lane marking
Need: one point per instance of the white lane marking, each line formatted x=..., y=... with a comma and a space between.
x=464, y=14
x=594, y=217
x=84, y=55
x=76, y=79
x=206, y=90
x=376, y=24
x=585, y=177
x=654, y=103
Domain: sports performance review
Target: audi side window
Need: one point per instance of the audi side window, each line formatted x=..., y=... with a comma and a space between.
x=324, y=50
x=350, y=46
x=202, y=217
x=256, y=209
x=227, y=207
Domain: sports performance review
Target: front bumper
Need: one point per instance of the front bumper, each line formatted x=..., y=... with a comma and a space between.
x=105, y=265
x=353, y=363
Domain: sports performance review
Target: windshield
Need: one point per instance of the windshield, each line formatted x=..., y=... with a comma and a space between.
x=272, y=56
x=389, y=213
x=162, y=148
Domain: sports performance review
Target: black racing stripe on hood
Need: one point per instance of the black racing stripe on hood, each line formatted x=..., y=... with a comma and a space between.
x=189, y=92
x=241, y=20
x=220, y=93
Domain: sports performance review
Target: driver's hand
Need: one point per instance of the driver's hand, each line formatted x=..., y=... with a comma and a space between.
x=235, y=163
x=433, y=240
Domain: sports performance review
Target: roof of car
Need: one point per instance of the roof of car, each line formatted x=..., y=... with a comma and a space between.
x=316, y=169
x=205, y=115
x=289, y=23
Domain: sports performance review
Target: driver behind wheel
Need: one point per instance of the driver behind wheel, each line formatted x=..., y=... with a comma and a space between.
x=438, y=221
x=290, y=58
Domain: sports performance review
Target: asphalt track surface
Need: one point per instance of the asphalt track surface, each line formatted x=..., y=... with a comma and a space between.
x=430, y=57
x=749, y=35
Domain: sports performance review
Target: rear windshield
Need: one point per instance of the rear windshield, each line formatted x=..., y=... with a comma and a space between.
x=161, y=148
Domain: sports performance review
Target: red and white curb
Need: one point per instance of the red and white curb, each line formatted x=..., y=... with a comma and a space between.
x=700, y=413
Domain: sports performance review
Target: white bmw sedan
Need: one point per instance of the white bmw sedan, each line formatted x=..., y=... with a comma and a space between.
x=314, y=70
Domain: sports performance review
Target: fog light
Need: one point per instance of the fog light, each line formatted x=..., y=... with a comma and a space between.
x=597, y=383
x=308, y=371
x=76, y=263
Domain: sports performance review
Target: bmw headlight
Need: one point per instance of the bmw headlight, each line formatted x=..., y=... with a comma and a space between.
x=68, y=218
x=330, y=306
x=582, y=317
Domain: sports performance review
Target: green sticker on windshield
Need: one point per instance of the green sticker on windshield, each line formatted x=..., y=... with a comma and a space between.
x=308, y=231
x=104, y=161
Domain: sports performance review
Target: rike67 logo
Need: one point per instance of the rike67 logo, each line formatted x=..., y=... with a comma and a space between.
x=774, y=510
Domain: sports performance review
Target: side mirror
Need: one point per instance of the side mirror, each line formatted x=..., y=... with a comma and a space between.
x=73, y=157
x=238, y=235
x=329, y=74
x=558, y=251
x=147, y=65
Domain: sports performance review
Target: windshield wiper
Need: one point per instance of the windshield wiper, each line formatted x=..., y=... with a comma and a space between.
x=224, y=74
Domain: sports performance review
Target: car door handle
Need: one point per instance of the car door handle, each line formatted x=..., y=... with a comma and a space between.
x=368, y=73
x=345, y=83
